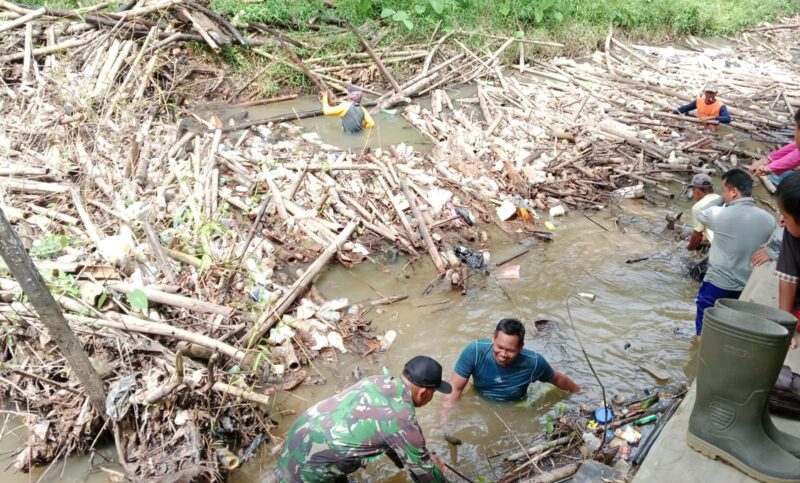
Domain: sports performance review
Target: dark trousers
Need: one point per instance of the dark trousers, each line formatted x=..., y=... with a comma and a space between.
x=707, y=296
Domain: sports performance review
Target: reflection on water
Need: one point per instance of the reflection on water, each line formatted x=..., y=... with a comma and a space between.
x=643, y=313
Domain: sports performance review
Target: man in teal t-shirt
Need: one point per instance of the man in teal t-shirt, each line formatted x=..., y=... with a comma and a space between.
x=501, y=369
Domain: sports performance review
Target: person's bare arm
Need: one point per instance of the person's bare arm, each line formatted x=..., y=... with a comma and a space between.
x=459, y=383
x=449, y=401
x=563, y=382
x=786, y=296
x=695, y=240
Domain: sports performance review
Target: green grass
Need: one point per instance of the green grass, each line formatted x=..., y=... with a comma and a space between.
x=698, y=17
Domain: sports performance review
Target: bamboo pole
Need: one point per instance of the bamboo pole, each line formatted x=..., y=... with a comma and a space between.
x=272, y=316
x=50, y=315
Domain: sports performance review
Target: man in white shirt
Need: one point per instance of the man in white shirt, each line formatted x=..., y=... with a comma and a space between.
x=702, y=191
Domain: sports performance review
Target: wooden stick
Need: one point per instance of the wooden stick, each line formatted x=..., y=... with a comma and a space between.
x=277, y=198
x=22, y=20
x=134, y=324
x=91, y=230
x=161, y=257
x=271, y=317
x=423, y=228
x=242, y=393
x=412, y=236
x=388, y=75
x=174, y=300
x=67, y=44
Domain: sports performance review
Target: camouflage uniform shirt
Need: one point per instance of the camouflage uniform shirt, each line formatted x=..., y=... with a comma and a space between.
x=341, y=434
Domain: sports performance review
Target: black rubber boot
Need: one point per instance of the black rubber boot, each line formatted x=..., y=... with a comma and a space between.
x=789, y=322
x=740, y=357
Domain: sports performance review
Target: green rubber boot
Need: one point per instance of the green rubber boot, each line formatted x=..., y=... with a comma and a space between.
x=789, y=322
x=740, y=358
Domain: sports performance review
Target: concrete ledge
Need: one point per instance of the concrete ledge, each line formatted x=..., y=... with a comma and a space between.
x=671, y=459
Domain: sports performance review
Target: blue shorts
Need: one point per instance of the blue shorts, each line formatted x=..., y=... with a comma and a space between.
x=707, y=296
x=776, y=179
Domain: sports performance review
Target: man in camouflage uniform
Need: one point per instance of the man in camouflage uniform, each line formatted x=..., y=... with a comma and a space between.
x=343, y=433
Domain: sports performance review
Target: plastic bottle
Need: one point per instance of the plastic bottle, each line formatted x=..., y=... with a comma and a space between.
x=388, y=340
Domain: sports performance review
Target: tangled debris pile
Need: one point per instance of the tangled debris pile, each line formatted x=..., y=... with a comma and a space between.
x=618, y=437
x=577, y=131
x=173, y=253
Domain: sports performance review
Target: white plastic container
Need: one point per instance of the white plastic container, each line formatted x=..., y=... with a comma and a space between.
x=388, y=340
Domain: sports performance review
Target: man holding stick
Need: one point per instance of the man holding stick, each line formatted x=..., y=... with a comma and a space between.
x=354, y=116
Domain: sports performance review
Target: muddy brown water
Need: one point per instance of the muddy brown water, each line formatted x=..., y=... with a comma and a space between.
x=643, y=312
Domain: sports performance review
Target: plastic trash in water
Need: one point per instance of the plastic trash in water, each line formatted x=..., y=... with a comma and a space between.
x=389, y=112
x=510, y=272
x=506, y=210
x=550, y=226
x=629, y=434
x=630, y=192
x=388, y=340
x=591, y=441
x=557, y=211
x=476, y=260
x=603, y=415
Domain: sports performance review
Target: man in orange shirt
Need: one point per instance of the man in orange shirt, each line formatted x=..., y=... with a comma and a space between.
x=708, y=107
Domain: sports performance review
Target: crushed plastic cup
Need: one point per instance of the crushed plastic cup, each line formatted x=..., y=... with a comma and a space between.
x=557, y=211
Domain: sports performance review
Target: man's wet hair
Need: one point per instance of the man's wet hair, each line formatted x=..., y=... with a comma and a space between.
x=511, y=327
x=788, y=195
x=706, y=189
x=739, y=179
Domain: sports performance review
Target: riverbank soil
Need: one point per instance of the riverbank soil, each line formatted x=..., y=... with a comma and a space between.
x=184, y=238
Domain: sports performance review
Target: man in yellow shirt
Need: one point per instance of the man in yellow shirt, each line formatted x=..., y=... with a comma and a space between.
x=702, y=191
x=354, y=116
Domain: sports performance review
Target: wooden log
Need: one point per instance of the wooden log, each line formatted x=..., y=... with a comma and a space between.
x=423, y=228
x=133, y=324
x=650, y=148
x=272, y=316
x=33, y=15
x=175, y=300
x=555, y=475
x=386, y=74
x=412, y=236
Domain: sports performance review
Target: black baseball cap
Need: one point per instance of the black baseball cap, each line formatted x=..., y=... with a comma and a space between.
x=426, y=372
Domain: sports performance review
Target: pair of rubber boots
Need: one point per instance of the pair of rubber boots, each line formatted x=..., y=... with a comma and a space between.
x=742, y=350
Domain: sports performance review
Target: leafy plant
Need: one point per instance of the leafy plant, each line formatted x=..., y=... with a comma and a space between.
x=49, y=245
x=62, y=284
x=138, y=299
x=399, y=16
x=550, y=424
